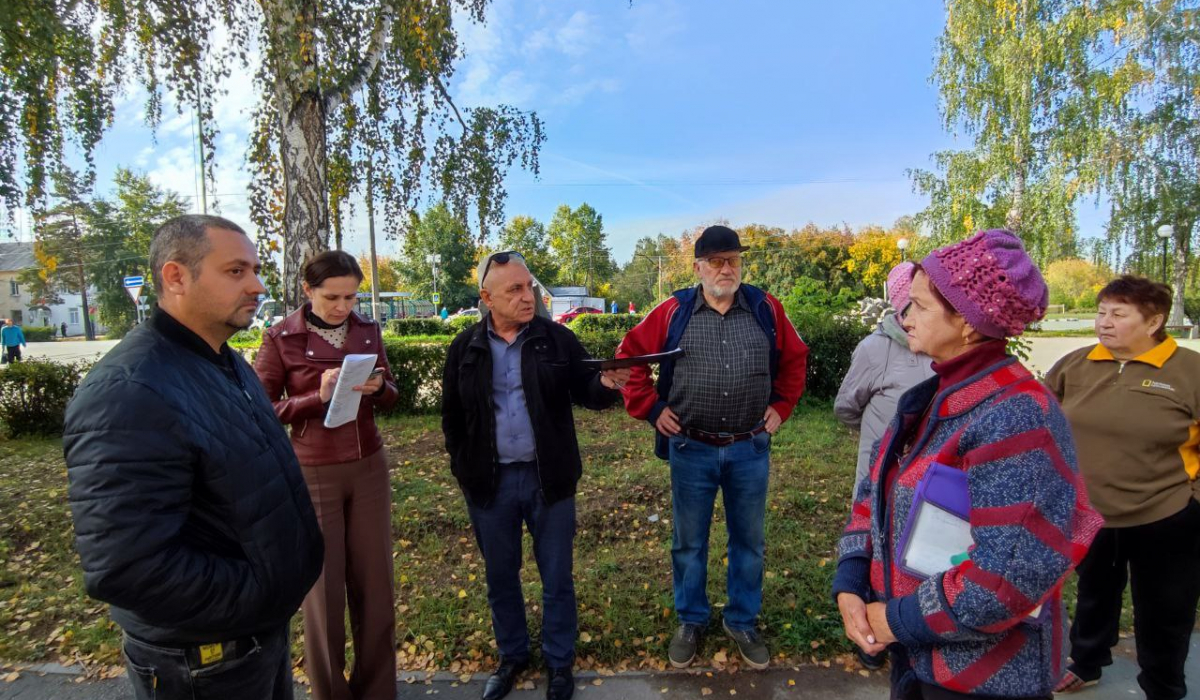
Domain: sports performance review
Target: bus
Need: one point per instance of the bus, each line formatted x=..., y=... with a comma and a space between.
x=392, y=305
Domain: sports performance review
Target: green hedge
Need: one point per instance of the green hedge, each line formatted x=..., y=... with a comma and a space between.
x=34, y=395
x=418, y=326
x=604, y=322
x=38, y=334
x=831, y=340
x=417, y=367
x=458, y=324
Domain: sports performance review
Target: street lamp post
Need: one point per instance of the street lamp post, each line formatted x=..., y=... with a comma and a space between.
x=434, y=259
x=1165, y=232
x=902, y=244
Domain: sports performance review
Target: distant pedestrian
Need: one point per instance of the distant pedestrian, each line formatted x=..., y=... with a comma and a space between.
x=12, y=338
x=614, y=306
x=64, y=329
x=632, y=308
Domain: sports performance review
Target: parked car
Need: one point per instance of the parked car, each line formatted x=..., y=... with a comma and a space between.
x=568, y=316
x=472, y=313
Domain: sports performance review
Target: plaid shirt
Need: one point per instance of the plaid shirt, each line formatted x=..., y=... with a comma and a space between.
x=723, y=382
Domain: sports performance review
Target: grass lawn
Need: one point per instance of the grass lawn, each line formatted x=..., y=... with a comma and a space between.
x=623, y=575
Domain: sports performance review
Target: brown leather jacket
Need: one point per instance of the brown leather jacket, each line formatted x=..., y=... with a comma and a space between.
x=290, y=363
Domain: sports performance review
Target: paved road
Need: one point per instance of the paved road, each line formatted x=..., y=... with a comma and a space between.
x=1119, y=683
x=69, y=350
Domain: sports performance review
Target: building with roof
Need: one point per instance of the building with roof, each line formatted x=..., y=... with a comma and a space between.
x=17, y=304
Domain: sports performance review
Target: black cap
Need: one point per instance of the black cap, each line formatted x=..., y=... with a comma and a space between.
x=718, y=239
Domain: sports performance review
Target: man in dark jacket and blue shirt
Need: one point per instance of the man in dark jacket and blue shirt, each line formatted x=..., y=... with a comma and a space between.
x=191, y=515
x=508, y=387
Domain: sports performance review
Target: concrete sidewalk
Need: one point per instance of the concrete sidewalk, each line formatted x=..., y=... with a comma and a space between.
x=1119, y=683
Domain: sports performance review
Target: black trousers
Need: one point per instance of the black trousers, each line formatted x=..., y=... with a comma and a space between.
x=12, y=353
x=1162, y=561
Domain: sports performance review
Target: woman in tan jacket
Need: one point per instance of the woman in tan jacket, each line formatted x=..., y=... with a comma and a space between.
x=346, y=470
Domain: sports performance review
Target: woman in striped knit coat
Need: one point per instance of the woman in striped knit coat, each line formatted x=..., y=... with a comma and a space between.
x=992, y=623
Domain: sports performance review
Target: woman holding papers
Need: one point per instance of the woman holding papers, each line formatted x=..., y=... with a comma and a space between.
x=955, y=553
x=1134, y=401
x=347, y=474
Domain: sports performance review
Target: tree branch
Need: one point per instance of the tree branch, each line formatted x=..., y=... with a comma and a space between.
x=335, y=96
x=446, y=94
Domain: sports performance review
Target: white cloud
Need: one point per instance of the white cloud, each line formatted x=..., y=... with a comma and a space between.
x=577, y=36
x=577, y=92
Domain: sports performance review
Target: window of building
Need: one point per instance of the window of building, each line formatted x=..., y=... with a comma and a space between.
x=14, y=289
x=74, y=316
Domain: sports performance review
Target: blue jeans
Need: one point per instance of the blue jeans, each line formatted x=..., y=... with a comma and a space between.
x=498, y=531
x=741, y=471
x=261, y=670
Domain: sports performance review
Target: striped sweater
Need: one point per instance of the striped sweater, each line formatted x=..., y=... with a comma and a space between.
x=994, y=624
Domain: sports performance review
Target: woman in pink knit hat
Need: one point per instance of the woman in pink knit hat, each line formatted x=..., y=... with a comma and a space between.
x=974, y=513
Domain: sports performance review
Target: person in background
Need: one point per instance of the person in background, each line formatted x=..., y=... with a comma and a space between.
x=64, y=329
x=507, y=391
x=12, y=338
x=613, y=307
x=991, y=623
x=191, y=516
x=882, y=368
x=714, y=411
x=632, y=308
x=1133, y=401
x=346, y=469
x=445, y=313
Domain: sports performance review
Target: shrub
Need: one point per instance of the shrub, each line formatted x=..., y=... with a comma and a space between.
x=831, y=340
x=458, y=324
x=417, y=367
x=417, y=326
x=34, y=395
x=1191, y=308
x=243, y=340
x=38, y=334
x=601, y=344
x=604, y=322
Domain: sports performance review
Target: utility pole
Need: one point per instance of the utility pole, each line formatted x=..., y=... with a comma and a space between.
x=434, y=259
x=371, y=235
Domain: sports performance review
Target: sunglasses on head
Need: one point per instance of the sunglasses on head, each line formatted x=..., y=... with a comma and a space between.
x=717, y=263
x=501, y=258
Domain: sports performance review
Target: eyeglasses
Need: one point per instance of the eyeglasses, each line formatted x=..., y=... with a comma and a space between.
x=501, y=258
x=717, y=263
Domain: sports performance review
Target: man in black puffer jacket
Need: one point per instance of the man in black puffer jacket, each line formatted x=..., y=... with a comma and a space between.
x=191, y=515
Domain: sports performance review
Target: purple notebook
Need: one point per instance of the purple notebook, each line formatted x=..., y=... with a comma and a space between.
x=939, y=522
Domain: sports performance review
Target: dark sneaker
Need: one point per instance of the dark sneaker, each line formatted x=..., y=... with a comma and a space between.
x=751, y=646
x=871, y=662
x=684, y=644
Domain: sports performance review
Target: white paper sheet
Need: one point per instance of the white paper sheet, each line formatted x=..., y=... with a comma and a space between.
x=937, y=535
x=343, y=407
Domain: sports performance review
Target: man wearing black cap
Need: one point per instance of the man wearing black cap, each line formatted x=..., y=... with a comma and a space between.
x=714, y=411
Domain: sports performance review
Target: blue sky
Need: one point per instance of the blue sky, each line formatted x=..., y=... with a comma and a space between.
x=663, y=114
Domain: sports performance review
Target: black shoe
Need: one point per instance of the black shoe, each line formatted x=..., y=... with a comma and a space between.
x=561, y=685
x=682, y=651
x=501, y=682
x=871, y=662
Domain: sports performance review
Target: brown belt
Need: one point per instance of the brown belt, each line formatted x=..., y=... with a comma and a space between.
x=721, y=439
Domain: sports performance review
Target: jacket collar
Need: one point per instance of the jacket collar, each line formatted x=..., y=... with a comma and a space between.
x=176, y=332
x=296, y=322
x=1156, y=357
x=965, y=395
x=537, y=328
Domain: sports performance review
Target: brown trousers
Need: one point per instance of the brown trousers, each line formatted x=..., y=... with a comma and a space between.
x=353, y=503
